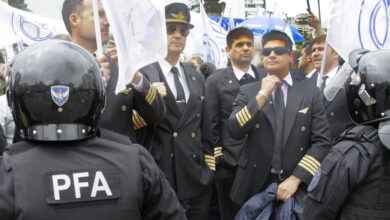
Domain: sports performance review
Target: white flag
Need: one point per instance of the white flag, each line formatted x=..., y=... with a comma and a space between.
x=139, y=29
x=17, y=25
x=358, y=24
x=206, y=40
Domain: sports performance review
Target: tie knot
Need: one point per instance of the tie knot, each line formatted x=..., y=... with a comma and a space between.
x=325, y=77
x=246, y=76
x=174, y=70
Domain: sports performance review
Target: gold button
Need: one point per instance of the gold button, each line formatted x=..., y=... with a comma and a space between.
x=172, y=155
x=254, y=165
x=194, y=156
x=193, y=78
x=301, y=149
x=124, y=108
x=193, y=135
x=175, y=134
x=332, y=114
x=303, y=128
x=198, y=115
x=257, y=125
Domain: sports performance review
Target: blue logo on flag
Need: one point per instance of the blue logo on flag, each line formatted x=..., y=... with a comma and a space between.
x=60, y=94
x=374, y=24
x=32, y=30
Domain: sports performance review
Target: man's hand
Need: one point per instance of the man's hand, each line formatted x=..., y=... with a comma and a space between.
x=112, y=52
x=105, y=66
x=315, y=23
x=268, y=84
x=288, y=188
x=161, y=88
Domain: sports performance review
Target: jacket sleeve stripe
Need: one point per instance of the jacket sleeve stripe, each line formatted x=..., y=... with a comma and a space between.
x=313, y=160
x=151, y=95
x=239, y=120
x=312, y=165
x=247, y=113
x=307, y=167
x=244, y=116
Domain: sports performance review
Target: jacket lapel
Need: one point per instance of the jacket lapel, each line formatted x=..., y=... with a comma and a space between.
x=294, y=99
x=230, y=81
x=269, y=112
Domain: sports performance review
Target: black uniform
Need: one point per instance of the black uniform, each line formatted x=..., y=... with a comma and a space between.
x=353, y=181
x=88, y=179
x=129, y=110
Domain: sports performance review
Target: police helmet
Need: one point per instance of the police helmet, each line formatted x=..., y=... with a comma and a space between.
x=56, y=92
x=368, y=90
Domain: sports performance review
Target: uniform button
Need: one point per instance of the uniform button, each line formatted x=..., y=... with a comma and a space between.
x=254, y=165
x=124, y=108
x=303, y=128
x=193, y=135
x=198, y=115
x=175, y=134
x=301, y=149
x=172, y=155
x=194, y=156
x=257, y=125
x=332, y=114
x=246, y=135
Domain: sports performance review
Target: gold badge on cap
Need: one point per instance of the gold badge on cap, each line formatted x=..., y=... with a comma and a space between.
x=179, y=15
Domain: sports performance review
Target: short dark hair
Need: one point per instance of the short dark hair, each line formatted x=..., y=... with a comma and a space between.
x=308, y=46
x=297, y=54
x=320, y=39
x=277, y=35
x=236, y=32
x=69, y=7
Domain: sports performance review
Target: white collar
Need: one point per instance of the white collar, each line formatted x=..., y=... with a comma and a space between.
x=239, y=74
x=311, y=73
x=166, y=67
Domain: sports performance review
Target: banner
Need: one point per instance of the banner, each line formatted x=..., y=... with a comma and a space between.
x=206, y=40
x=139, y=30
x=358, y=24
x=17, y=25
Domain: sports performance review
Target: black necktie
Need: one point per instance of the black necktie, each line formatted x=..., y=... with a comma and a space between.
x=279, y=121
x=246, y=78
x=180, y=96
x=323, y=84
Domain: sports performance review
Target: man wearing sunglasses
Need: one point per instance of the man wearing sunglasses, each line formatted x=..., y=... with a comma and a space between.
x=285, y=126
x=221, y=89
x=181, y=142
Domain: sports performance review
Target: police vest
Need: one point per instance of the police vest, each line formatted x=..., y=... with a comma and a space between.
x=83, y=180
x=371, y=198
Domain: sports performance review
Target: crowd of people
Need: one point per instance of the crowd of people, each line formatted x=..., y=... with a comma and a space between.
x=185, y=140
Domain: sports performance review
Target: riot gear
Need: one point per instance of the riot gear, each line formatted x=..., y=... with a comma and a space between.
x=368, y=91
x=56, y=92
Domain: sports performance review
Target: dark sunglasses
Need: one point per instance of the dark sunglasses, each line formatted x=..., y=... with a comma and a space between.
x=184, y=31
x=278, y=51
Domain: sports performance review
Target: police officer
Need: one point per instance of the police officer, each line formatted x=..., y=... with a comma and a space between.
x=353, y=181
x=62, y=170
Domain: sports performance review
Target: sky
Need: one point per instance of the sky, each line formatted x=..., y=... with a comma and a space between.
x=52, y=8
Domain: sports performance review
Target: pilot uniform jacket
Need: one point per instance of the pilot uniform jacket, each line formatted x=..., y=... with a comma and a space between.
x=181, y=142
x=118, y=115
x=336, y=111
x=306, y=137
x=221, y=91
x=126, y=180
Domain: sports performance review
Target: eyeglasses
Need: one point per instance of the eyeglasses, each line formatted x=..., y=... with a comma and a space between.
x=278, y=51
x=184, y=31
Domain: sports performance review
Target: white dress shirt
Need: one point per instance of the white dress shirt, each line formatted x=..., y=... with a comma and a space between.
x=166, y=69
x=239, y=74
x=6, y=119
x=289, y=81
x=331, y=74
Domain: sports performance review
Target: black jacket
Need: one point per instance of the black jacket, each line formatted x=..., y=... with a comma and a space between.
x=89, y=179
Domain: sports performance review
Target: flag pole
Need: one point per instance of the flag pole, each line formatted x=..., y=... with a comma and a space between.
x=319, y=12
x=98, y=33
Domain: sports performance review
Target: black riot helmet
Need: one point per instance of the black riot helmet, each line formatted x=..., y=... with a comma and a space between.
x=368, y=90
x=56, y=92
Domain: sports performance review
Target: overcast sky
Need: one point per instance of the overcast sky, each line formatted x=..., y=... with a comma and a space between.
x=52, y=8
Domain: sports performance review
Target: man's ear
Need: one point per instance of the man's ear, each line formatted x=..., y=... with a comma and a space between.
x=227, y=49
x=74, y=20
x=309, y=57
x=291, y=57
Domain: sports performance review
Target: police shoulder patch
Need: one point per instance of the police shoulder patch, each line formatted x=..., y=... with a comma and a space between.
x=315, y=181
